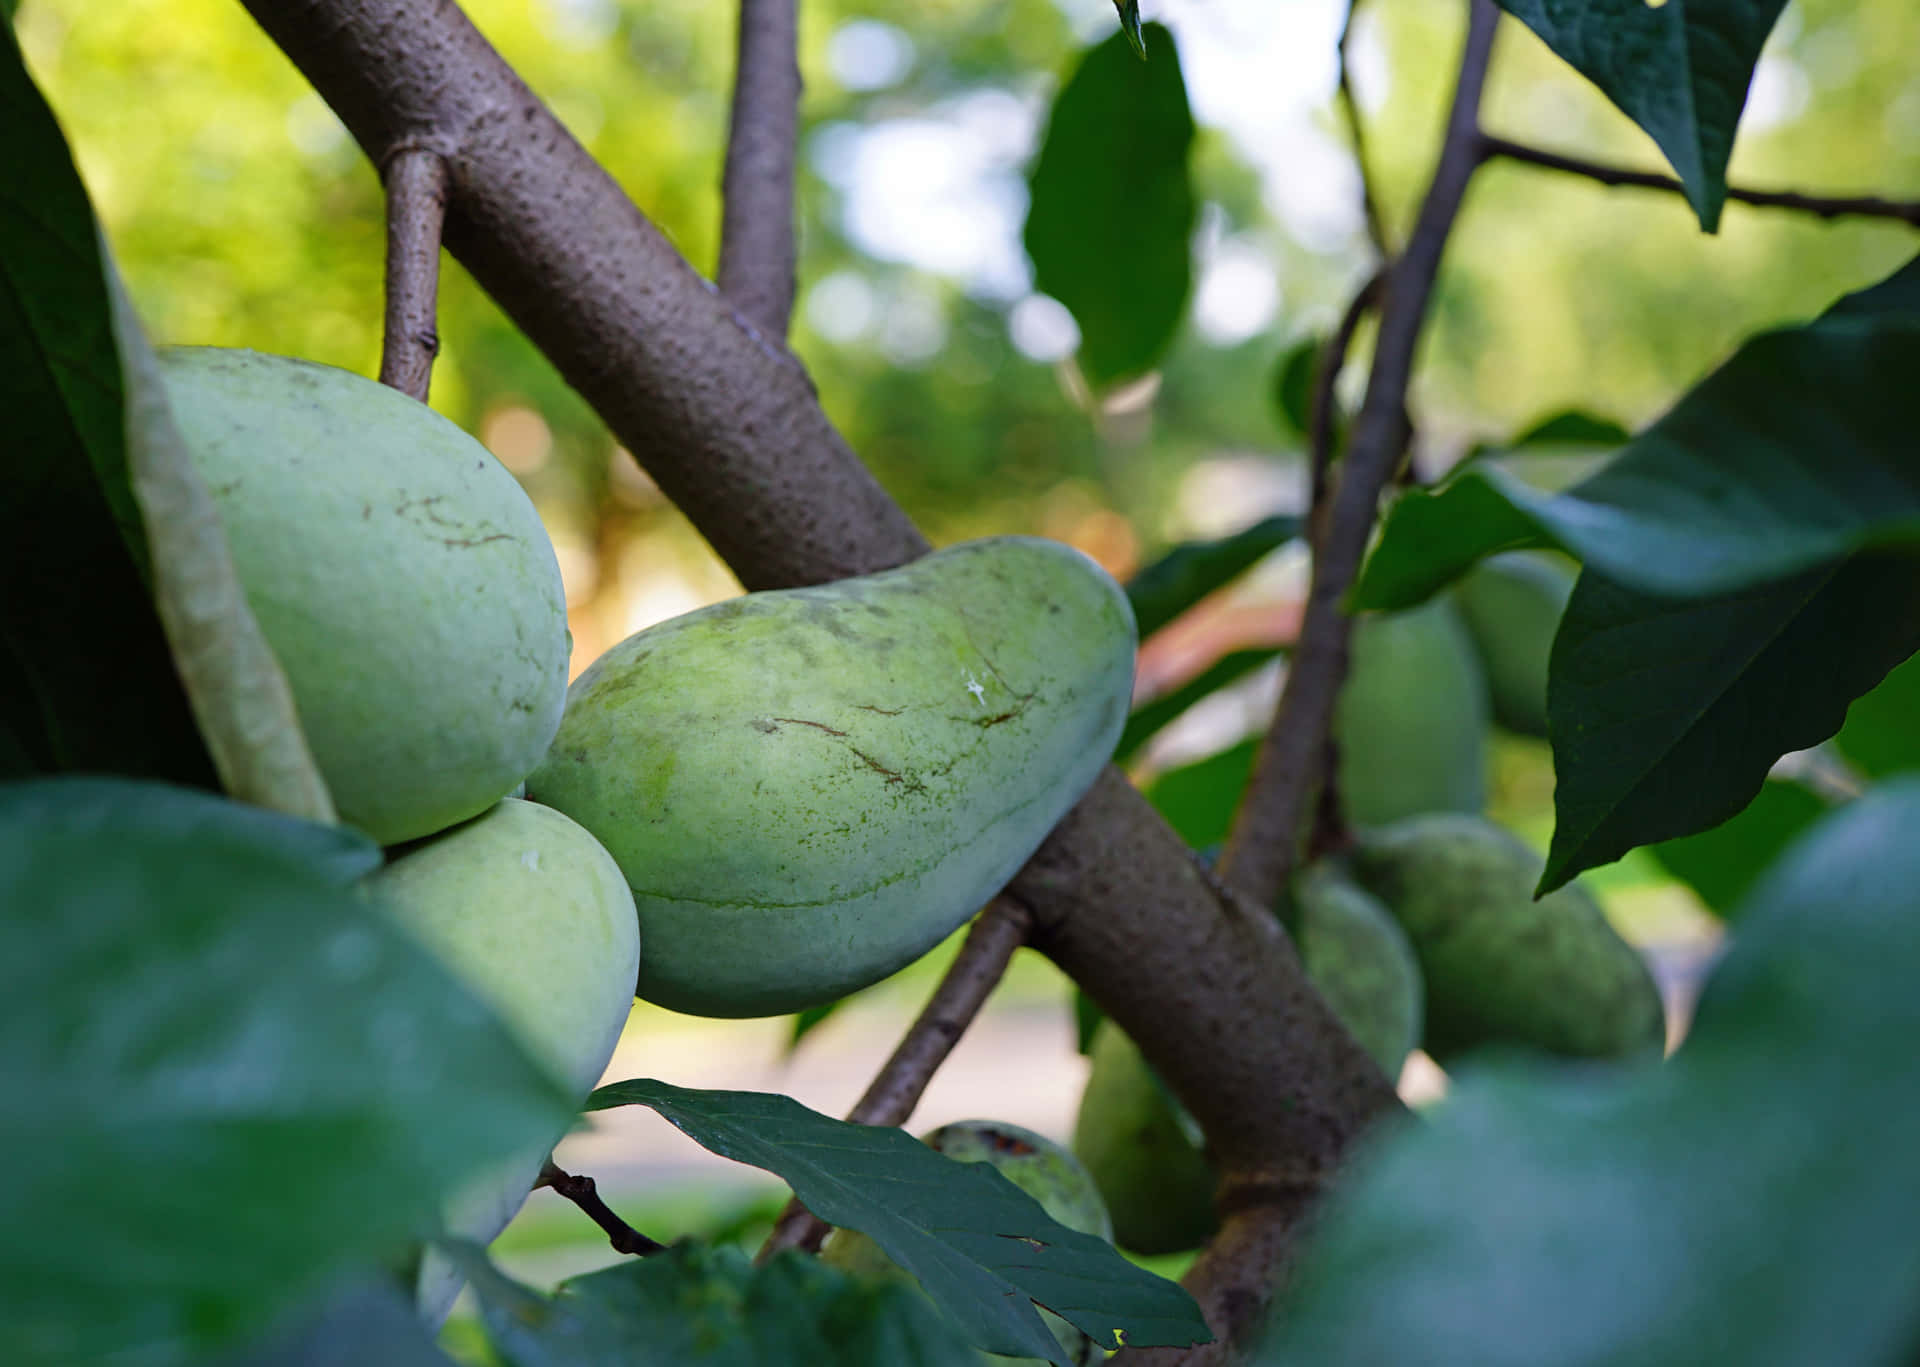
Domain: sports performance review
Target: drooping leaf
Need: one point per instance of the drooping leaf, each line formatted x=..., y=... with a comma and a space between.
x=1681, y=71
x=1721, y=864
x=1198, y=800
x=1882, y=734
x=1666, y=714
x=72, y=549
x=229, y=1079
x=1190, y=571
x=1130, y=25
x=697, y=1304
x=1797, y=451
x=1151, y=717
x=361, y=1325
x=1112, y=204
x=1749, y=1201
x=983, y=1249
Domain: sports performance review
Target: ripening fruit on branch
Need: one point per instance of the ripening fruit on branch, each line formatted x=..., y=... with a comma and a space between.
x=399, y=573
x=1499, y=966
x=808, y=789
x=527, y=910
x=1512, y=605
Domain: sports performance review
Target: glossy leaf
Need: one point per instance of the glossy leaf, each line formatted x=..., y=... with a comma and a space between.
x=1666, y=714
x=72, y=549
x=981, y=1248
x=1721, y=864
x=1882, y=734
x=1797, y=451
x=1192, y=570
x=1152, y=716
x=1112, y=205
x=229, y=1079
x=705, y=1305
x=1680, y=70
x=1750, y=1201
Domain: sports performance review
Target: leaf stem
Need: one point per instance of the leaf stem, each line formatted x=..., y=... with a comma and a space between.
x=416, y=184
x=582, y=1192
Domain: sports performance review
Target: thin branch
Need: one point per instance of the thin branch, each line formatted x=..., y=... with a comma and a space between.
x=756, y=229
x=1357, y=132
x=1272, y=820
x=416, y=183
x=1326, y=374
x=897, y=1088
x=1824, y=206
x=581, y=1191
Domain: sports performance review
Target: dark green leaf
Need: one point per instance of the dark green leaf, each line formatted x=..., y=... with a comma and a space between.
x=1721, y=864
x=72, y=550
x=1130, y=25
x=1751, y=1201
x=362, y=1325
x=228, y=1078
x=1112, y=210
x=1293, y=376
x=1797, y=451
x=1192, y=570
x=979, y=1245
x=1666, y=714
x=1198, y=800
x=1679, y=70
x=1882, y=734
x=712, y=1306
x=1150, y=717
x=1087, y=1016
x=805, y=1021
x=1572, y=430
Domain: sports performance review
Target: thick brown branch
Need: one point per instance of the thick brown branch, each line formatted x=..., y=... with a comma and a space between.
x=1823, y=206
x=581, y=1191
x=416, y=184
x=897, y=1088
x=1357, y=133
x=756, y=227
x=1272, y=821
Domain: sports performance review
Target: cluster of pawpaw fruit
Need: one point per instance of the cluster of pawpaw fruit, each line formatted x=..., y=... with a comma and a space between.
x=783, y=798
x=1426, y=932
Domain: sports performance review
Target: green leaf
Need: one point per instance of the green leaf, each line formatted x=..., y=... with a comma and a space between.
x=361, y=1325
x=1570, y=431
x=980, y=1247
x=72, y=549
x=1198, y=800
x=805, y=1021
x=1666, y=714
x=1112, y=205
x=1797, y=451
x=712, y=1306
x=1150, y=717
x=229, y=1079
x=1722, y=863
x=1750, y=1201
x=1292, y=384
x=1130, y=25
x=1679, y=70
x=1882, y=734
x=1192, y=570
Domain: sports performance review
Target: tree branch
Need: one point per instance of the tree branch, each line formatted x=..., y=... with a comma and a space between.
x=1357, y=133
x=1326, y=374
x=756, y=228
x=416, y=184
x=897, y=1088
x=1824, y=206
x=583, y=1193
x=1271, y=823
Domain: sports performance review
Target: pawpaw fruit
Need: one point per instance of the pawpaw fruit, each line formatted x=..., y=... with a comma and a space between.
x=1044, y=1170
x=1412, y=719
x=533, y=915
x=1512, y=605
x=1499, y=966
x=808, y=789
x=1145, y=1154
x=399, y=573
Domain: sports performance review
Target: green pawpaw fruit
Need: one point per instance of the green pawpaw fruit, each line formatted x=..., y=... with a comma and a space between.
x=398, y=571
x=533, y=915
x=1499, y=966
x=1412, y=720
x=1145, y=1153
x=1512, y=605
x=808, y=789
x=1044, y=1170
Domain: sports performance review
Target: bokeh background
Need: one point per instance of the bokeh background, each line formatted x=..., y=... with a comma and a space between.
x=243, y=215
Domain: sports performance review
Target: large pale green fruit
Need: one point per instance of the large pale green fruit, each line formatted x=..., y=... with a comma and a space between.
x=1143, y=1150
x=1412, y=719
x=808, y=789
x=1512, y=605
x=1042, y=1169
x=1499, y=966
x=399, y=573
x=534, y=916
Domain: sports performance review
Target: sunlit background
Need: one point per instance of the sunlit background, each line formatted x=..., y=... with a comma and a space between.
x=243, y=215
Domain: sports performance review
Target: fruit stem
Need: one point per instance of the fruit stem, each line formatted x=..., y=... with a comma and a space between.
x=582, y=1192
